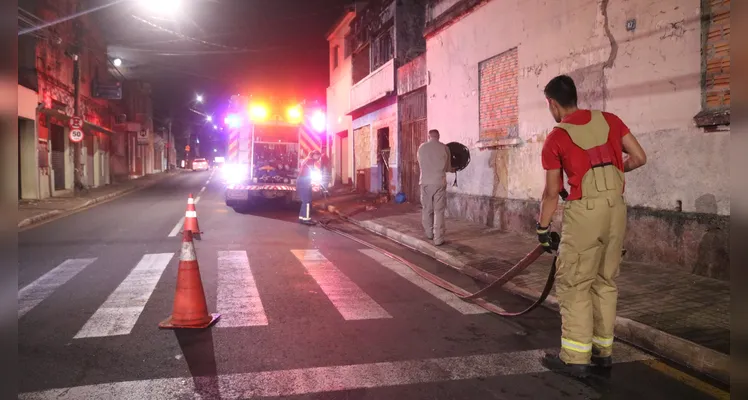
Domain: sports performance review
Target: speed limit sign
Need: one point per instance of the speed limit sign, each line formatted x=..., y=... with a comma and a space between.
x=76, y=135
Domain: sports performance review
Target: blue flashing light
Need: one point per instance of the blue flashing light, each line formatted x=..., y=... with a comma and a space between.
x=233, y=121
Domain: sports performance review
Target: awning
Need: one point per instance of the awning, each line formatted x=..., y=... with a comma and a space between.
x=98, y=128
x=64, y=117
x=54, y=113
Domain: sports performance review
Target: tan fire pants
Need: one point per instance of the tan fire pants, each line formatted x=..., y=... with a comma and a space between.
x=434, y=202
x=588, y=264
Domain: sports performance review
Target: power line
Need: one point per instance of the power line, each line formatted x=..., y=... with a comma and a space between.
x=183, y=36
x=68, y=18
x=59, y=40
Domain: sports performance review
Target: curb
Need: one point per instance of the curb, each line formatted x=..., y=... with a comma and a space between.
x=699, y=358
x=51, y=214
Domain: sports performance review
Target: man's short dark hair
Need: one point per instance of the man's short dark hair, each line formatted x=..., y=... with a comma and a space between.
x=563, y=90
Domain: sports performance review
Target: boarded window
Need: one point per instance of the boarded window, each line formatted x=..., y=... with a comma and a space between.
x=498, y=82
x=715, y=63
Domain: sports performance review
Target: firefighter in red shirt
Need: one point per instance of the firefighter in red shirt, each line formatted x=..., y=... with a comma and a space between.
x=588, y=146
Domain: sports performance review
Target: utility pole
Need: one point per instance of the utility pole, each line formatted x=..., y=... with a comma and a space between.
x=77, y=167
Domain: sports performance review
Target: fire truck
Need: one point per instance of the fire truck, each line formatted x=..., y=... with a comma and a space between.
x=267, y=141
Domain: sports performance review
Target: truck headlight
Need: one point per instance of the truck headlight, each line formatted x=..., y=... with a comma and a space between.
x=316, y=176
x=235, y=173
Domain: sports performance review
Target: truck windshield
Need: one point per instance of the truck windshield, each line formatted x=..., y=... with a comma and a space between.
x=276, y=134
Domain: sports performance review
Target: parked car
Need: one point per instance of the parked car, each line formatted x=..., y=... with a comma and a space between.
x=200, y=164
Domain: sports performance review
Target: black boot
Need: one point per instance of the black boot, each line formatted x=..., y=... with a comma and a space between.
x=554, y=363
x=601, y=362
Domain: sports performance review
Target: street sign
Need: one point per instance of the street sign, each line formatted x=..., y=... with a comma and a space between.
x=143, y=136
x=76, y=135
x=76, y=123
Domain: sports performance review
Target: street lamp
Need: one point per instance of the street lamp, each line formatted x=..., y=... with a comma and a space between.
x=117, y=62
x=162, y=7
x=199, y=98
x=209, y=118
x=215, y=127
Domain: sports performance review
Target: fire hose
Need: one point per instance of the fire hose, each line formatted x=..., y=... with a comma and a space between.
x=477, y=297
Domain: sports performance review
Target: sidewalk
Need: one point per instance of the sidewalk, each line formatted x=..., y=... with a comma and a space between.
x=679, y=316
x=34, y=211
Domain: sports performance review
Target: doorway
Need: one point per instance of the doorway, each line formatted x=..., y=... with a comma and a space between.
x=28, y=171
x=58, y=156
x=344, y=161
x=413, y=132
x=383, y=158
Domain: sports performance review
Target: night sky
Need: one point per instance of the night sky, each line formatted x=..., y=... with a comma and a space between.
x=254, y=46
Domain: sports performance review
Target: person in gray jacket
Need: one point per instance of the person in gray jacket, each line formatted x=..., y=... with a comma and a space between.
x=434, y=160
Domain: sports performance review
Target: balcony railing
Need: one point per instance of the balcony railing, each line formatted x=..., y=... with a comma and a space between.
x=376, y=85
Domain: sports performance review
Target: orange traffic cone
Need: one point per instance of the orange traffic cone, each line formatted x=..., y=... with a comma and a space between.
x=190, y=309
x=190, y=219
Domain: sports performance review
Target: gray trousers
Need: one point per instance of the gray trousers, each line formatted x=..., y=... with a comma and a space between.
x=434, y=202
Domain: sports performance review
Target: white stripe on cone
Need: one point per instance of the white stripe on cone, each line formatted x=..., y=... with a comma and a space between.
x=191, y=214
x=190, y=201
x=188, y=252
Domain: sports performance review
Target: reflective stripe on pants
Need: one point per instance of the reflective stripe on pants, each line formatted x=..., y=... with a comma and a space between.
x=588, y=263
x=305, y=212
x=578, y=347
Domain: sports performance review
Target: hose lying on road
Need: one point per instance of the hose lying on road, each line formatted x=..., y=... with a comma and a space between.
x=462, y=293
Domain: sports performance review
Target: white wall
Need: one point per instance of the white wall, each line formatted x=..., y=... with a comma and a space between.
x=653, y=85
x=339, y=99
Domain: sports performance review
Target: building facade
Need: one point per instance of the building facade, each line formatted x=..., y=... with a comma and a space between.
x=47, y=68
x=663, y=67
x=339, y=100
x=137, y=143
x=383, y=36
x=63, y=71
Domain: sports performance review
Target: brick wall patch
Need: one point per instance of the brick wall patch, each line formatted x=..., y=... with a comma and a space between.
x=715, y=64
x=498, y=96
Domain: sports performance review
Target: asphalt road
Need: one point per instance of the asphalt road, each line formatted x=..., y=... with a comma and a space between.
x=306, y=314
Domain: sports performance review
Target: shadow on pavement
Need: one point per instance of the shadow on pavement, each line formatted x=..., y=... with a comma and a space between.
x=278, y=210
x=198, y=351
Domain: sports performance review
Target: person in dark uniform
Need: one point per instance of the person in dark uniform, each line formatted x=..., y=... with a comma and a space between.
x=304, y=186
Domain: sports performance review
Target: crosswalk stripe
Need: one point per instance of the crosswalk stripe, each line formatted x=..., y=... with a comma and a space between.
x=120, y=312
x=401, y=269
x=177, y=228
x=352, y=302
x=238, y=299
x=302, y=381
x=34, y=293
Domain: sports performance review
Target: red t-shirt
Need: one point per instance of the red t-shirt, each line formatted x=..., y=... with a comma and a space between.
x=560, y=152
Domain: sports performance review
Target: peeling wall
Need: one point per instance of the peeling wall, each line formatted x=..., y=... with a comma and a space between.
x=649, y=77
x=679, y=202
x=385, y=116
